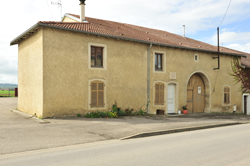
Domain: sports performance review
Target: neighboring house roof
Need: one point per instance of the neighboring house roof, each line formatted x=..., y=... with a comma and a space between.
x=246, y=61
x=130, y=32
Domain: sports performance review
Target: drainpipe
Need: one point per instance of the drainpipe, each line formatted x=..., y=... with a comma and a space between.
x=149, y=75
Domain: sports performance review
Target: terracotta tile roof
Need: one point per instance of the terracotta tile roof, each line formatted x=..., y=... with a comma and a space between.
x=138, y=33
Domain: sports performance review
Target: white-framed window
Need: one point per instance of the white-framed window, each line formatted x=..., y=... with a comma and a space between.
x=97, y=56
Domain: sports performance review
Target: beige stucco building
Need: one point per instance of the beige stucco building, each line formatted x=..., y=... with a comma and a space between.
x=71, y=67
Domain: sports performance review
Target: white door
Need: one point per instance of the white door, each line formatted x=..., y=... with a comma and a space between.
x=171, y=98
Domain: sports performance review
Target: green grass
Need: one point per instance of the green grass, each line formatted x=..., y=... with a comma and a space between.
x=6, y=93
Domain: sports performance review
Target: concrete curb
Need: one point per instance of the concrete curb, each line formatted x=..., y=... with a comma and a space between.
x=30, y=116
x=26, y=115
x=178, y=130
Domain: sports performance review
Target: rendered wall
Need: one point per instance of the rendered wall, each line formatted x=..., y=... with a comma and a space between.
x=182, y=62
x=67, y=19
x=30, y=74
x=67, y=75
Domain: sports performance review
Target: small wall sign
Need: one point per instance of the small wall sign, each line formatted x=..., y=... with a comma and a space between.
x=199, y=90
x=172, y=75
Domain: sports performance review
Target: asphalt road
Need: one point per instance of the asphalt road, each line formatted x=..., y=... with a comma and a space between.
x=19, y=133
x=218, y=146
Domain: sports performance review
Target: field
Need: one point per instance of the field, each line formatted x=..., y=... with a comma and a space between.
x=6, y=93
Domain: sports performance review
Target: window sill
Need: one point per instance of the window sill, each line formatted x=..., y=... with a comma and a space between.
x=97, y=67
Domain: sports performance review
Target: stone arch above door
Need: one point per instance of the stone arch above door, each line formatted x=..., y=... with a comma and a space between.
x=207, y=84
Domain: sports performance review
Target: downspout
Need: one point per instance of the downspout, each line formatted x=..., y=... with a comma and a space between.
x=148, y=104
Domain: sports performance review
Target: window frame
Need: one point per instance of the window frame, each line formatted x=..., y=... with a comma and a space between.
x=105, y=106
x=226, y=96
x=104, y=56
x=156, y=61
x=196, y=55
x=160, y=92
x=163, y=62
x=96, y=57
x=97, y=94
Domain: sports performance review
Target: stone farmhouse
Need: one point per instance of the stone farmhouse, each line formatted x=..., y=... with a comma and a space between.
x=85, y=64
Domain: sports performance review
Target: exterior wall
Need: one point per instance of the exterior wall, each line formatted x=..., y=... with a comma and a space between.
x=67, y=73
x=183, y=64
x=30, y=74
x=67, y=19
x=54, y=74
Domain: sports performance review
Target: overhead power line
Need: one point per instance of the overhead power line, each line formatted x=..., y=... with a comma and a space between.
x=49, y=9
x=225, y=13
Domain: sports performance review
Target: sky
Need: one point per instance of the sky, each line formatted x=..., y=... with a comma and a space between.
x=201, y=18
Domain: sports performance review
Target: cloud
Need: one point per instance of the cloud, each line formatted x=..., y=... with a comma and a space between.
x=171, y=15
x=235, y=40
x=8, y=70
x=232, y=37
x=168, y=15
x=240, y=47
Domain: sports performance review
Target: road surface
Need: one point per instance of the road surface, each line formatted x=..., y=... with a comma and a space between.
x=218, y=146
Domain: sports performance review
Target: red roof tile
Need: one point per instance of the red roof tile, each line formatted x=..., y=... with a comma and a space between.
x=128, y=31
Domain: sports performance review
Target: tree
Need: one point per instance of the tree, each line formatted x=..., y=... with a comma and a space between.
x=241, y=75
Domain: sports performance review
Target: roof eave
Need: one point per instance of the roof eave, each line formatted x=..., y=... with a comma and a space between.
x=38, y=25
x=25, y=34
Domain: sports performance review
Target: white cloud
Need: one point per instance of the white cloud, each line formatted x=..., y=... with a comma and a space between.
x=240, y=47
x=235, y=40
x=167, y=15
x=232, y=37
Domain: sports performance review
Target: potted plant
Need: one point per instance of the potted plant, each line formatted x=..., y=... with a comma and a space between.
x=185, y=110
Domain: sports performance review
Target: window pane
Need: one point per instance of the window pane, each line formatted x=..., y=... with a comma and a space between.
x=92, y=60
x=159, y=61
x=156, y=62
x=99, y=56
x=92, y=56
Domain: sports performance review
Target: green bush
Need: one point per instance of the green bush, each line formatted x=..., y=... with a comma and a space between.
x=121, y=113
x=101, y=115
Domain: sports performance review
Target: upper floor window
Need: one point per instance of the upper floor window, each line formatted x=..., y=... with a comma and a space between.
x=97, y=94
x=196, y=58
x=96, y=56
x=158, y=62
x=226, y=95
x=159, y=94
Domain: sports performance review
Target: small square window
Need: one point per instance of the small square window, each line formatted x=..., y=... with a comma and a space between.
x=96, y=56
x=158, y=62
x=196, y=58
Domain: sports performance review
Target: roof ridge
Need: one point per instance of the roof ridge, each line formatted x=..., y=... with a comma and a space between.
x=143, y=27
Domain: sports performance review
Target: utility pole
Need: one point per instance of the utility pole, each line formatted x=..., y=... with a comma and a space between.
x=218, y=32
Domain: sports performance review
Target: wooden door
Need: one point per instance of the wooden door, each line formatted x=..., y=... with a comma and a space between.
x=171, y=98
x=196, y=94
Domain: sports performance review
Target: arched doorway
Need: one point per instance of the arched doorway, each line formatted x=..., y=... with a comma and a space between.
x=196, y=94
